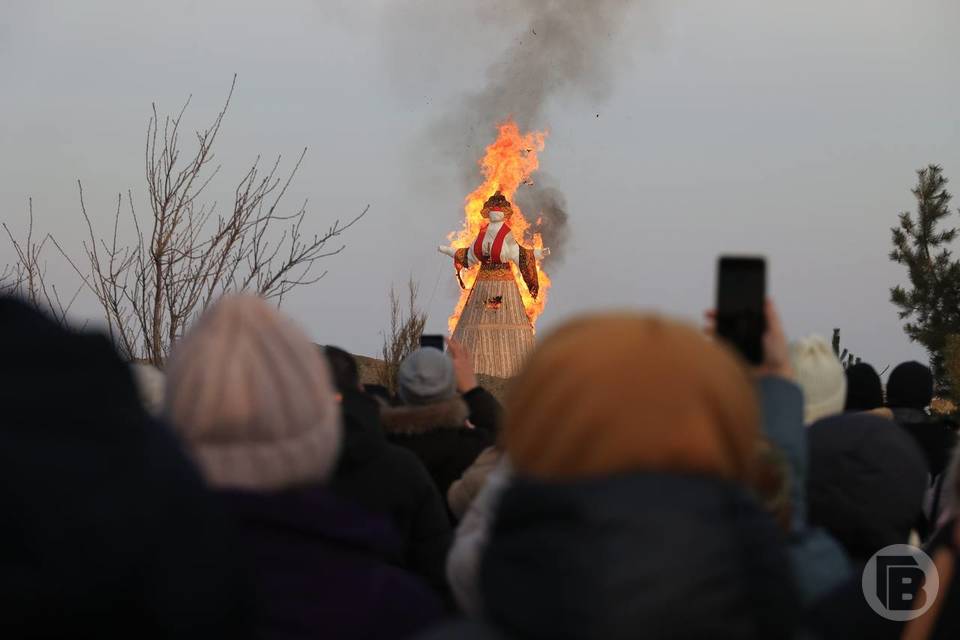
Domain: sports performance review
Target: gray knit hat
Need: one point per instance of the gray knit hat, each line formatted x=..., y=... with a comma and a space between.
x=426, y=376
x=252, y=398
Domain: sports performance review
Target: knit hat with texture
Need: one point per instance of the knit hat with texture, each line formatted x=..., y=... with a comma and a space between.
x=253, y=399
x=910, y=385
x=426, y=376
x=820, y=375
x=625, y=392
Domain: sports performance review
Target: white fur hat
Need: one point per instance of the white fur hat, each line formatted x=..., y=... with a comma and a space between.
x=821, y=376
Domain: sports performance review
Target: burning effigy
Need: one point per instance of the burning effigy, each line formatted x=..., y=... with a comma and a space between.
x=498, y=259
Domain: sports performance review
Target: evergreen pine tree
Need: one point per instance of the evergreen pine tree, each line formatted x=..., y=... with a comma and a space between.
x=931, y=307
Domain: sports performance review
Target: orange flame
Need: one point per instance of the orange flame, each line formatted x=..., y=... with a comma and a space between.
x=508, y=162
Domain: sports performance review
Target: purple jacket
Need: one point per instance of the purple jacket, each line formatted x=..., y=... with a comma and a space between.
x=323, y=568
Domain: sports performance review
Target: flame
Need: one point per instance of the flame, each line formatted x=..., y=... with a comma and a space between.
x=507, y=163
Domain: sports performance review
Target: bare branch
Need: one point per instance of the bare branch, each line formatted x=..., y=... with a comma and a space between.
x=189, y=255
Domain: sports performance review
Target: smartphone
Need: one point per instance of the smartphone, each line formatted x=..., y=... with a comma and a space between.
x=741, y=295
x=432, y=340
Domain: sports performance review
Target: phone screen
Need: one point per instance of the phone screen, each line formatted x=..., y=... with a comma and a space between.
x=432, y=340
x=741, y=293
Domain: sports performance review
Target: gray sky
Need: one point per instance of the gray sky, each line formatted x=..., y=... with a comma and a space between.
x=789, y=129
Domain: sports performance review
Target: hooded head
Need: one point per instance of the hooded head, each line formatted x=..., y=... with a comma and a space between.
x=255, y=404
x=623, y=392
x=864, y=390
x=426, y=376
x=343, y=368
x=910, y=386
x=820, y=376
x=104, y=512
x=866, y=481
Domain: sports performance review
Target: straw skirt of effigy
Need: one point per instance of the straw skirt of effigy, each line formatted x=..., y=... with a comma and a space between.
x=494, y=325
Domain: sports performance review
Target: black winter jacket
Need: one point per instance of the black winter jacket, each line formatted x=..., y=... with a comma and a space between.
x=446, y=436
x=108, y=530
x=934, y=437
x=391, y=481
x=866, y=483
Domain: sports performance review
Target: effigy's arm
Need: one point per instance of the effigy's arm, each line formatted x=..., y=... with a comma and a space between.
x=461, y=260
x=528, y=269
x=461, y=256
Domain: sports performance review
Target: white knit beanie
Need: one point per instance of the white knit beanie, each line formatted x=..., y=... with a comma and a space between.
x=820, y=375
x=248, y=392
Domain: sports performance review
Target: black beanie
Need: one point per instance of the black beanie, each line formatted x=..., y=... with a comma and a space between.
x=911, y=386
x=864, y=391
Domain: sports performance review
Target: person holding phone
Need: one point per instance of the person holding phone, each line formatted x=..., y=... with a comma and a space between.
x=445, y=417
x=819, y=562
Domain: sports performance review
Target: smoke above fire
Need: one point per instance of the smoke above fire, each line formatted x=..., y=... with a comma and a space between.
x=543, y=49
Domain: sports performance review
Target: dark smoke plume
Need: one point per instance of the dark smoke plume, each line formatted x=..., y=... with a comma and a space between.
x=546, y=205
x=550, y=48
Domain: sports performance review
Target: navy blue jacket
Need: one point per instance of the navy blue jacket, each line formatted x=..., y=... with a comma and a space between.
x=632, y=556
x=324, y=568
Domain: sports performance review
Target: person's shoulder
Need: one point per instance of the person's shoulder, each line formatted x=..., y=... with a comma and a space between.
x=463, y=630
x=402, y=469
x=403, y=461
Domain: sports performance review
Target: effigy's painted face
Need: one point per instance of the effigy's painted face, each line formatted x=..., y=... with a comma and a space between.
x=504, y=214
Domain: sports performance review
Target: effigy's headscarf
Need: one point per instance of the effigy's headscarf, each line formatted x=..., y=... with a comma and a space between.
x=497, y=202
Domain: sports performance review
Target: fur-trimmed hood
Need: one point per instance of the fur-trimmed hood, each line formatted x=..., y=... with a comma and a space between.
x=416, y=420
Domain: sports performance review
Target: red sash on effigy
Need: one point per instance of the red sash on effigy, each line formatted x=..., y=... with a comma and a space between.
x=497, y=244
x=478, y=245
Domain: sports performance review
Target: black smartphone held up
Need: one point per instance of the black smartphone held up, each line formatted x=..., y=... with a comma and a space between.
x=432, y=340
x=741, y=295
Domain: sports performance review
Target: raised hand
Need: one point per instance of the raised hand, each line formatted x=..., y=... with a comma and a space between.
x=462, y=366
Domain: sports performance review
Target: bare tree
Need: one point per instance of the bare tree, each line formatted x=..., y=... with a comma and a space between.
x=187, y=254
x=406, y=327
x=26, y=278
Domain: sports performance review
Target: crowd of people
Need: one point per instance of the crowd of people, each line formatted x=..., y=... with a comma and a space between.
x=640, y=480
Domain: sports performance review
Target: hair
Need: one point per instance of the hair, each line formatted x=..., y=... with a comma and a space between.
x=380, y=393
x=343, y=367
x=910, y=385
x=772, y=483
x=864, y=389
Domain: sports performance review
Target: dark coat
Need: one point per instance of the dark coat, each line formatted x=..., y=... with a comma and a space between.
x=845, y=615
x=107, y=529
x=866, y=482
x=934, y=437
x=948, y=622
x=391, y=481
x=633, y=556
x=323, y=568
x=439, y=434
x=819, y=562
